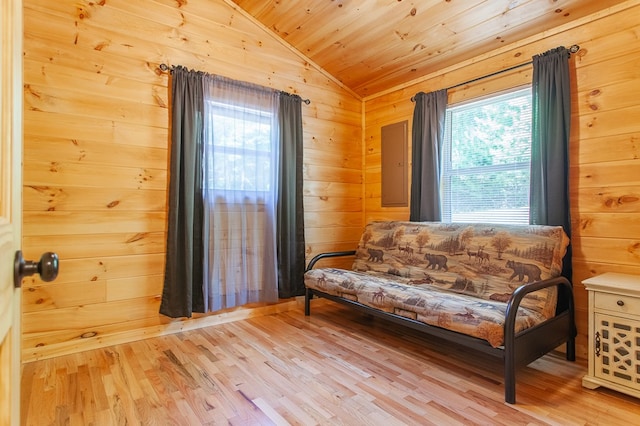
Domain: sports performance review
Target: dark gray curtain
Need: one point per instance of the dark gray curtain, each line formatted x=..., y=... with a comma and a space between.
x=427, y=139
x=182, y=292
x=290, y=210
x=551, y=97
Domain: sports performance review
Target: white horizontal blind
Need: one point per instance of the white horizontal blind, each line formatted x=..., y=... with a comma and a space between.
x=486, y=160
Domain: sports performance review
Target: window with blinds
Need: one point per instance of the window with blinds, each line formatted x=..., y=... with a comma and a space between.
x=241, y=148
x=486, y=160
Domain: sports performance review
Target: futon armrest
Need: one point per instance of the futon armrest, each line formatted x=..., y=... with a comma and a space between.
x=321, y=256
x=514, y=302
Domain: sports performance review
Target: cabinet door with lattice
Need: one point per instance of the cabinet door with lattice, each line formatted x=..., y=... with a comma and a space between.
x=617, y=350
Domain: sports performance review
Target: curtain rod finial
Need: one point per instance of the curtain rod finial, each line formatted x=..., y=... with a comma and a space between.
x=574, y=48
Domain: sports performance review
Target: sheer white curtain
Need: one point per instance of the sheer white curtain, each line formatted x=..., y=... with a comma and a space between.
x=240, y=165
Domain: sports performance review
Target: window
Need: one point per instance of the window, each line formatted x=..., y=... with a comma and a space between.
x=242, y=148
x=240, y=135
x=486, y=160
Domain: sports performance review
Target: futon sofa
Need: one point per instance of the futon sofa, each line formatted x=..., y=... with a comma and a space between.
x=494, y=288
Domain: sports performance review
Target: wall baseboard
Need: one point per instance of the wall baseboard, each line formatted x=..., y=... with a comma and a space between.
x=171, y=327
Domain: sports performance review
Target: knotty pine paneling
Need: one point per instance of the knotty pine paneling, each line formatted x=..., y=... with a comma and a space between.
x=94, y=152
x=74, y=246
x=619, y=199
x=96, y=155
x=604, y=148
x=624, y=146
x=58, y=173
x=50, y=198
x=91, y=269
x=44, y=124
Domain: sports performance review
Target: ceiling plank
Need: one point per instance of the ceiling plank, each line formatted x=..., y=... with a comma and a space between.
x=373, y=45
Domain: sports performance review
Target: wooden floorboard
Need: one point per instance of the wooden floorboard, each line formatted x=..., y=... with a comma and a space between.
x=337, y=367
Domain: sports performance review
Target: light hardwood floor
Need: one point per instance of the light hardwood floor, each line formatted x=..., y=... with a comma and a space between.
x=335, y=367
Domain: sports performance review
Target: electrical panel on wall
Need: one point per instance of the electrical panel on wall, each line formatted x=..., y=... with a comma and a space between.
x=394, y=165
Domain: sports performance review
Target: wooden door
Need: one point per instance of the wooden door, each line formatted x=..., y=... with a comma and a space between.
x=10, y=206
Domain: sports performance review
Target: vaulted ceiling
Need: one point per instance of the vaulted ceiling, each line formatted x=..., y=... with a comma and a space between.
x=374, y=45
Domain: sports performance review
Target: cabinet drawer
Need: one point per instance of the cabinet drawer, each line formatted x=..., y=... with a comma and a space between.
x=617, y=303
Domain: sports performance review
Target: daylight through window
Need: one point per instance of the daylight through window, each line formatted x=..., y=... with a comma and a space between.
x=486, y=160
x=242, y=159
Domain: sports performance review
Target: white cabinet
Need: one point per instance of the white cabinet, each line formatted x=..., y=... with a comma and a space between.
x=614, y=333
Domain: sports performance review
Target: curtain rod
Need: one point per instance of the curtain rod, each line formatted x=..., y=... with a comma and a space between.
x=573, y=49
x=164, y=67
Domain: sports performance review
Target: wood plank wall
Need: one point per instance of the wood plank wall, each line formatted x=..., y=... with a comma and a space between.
x=96, y=154
x=605, y=135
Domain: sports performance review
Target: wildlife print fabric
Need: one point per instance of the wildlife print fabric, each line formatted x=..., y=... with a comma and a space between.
x=456, y=276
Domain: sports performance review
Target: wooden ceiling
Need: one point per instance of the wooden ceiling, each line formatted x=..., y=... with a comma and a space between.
x=375, y=45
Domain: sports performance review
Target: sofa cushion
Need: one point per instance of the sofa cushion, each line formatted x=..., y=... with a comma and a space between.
x=486, y=261
x=430, y=304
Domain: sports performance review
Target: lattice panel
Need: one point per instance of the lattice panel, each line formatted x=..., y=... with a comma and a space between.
x=617, y=350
